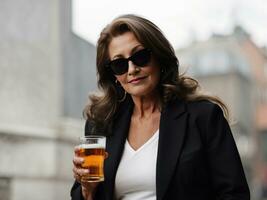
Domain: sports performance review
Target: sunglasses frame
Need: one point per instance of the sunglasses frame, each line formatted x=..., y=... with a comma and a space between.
x=124, y=69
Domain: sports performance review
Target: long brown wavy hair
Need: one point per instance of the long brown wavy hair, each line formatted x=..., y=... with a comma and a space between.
x=102, y=107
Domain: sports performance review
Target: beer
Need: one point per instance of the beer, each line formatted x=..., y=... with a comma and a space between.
x=93, y=160
x=92, y=149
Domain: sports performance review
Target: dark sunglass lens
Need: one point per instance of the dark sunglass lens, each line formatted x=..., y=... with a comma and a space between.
x=119, y=66
x=141, y=57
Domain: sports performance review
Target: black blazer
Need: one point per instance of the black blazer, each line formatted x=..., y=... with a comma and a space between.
x=197, y=156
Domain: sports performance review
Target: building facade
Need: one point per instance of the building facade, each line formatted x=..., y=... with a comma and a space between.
x=233, y=68
x=46, y=73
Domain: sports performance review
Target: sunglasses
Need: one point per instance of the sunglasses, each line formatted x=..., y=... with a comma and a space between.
x=140, y=58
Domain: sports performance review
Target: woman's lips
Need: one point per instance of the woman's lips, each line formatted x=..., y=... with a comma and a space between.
x=137, y=80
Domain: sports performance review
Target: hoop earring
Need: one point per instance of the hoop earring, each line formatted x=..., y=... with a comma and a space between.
x=119, y=91
x=123, y=98
x=117, y=83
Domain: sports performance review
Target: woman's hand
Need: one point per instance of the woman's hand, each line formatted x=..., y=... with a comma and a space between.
x=88, y=189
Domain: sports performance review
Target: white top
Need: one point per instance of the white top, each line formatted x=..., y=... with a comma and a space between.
x=136, y=174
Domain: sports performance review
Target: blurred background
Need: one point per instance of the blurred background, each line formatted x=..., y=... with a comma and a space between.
x=47, y=70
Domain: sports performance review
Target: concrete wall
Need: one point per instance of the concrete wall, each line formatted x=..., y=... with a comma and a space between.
x=31, y=73
x=46, y=73
x=79, y=65
x=79, y=75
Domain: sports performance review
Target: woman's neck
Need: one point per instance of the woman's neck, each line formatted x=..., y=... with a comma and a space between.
x=144, y=106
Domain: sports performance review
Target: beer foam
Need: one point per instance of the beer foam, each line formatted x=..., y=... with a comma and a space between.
x=92, y=146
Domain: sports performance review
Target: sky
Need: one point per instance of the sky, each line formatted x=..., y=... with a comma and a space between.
x=182, y=21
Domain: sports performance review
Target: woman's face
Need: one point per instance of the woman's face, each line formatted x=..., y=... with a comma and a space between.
x=137, y=81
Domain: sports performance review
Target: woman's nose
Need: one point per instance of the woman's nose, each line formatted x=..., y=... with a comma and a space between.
x=132, y=69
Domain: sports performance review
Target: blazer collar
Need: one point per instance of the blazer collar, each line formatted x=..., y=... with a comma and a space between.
x=115, y=146
x=171, y=138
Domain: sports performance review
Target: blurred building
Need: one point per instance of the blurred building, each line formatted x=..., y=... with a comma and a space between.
x=46, y=72
x=233, y=68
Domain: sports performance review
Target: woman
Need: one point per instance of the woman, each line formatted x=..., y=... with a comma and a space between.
x=165, y=140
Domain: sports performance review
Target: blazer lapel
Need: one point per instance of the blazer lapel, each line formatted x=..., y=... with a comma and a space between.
x=115, y=146
x=172, y=131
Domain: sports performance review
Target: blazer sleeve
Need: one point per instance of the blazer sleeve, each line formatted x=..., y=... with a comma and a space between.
x=76, y=190
x=224, y=163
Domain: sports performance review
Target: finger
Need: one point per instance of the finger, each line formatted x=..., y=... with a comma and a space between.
x=77, y=160
x=82, y=172
x=77, y=178
x=77, y=149
x=78, y=173
x=75, y=171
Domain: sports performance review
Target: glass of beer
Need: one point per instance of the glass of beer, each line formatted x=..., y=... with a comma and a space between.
x=92, y=149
